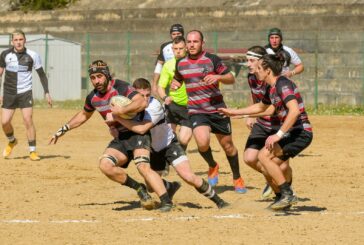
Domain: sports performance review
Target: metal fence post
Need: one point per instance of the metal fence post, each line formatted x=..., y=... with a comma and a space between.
x=316, y=72
x=46, y=54
x=128, y=63
x=87, y=57
x=216, y=46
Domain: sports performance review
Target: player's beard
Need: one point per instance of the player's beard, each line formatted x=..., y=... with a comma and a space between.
x=102, y=88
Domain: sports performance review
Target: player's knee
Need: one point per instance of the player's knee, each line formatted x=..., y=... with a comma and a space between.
x=263, y=155
x=107, y=163
x=142, y=163
x=251, y=160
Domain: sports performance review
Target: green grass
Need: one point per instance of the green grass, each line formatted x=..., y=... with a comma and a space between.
x=68, y=104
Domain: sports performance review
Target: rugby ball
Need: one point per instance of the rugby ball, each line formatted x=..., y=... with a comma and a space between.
x=121, y=101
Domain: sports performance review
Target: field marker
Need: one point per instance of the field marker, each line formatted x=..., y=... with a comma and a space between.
x=178, y=218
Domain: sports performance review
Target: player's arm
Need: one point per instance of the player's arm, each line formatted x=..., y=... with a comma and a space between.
x=76, y=121
x=44, y=81
x=135, y=126
x=293, y=113
x=1, y=75
x=253, y=110
x=164, y=79
x=156, y=76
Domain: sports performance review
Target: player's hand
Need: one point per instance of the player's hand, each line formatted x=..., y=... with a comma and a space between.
x=109, y=119
x=1, y=100
x=49, y=100
x=270, y=141
x=211, y=79
x=60, y=132
x=175, y=85
x=168, y=100
x=250, y=122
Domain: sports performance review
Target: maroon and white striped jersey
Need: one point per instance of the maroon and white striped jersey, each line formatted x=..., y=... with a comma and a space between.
x=100, y=101
x=280, y=94
x=202, y=97
x=258, y=90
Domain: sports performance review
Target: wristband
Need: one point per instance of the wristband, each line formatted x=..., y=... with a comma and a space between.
x=280, y=133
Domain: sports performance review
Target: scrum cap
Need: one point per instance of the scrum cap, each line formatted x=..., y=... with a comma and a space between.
x=99, y=66
x=177, y=27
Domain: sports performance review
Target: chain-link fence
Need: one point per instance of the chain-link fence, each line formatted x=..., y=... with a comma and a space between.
x=333, y=61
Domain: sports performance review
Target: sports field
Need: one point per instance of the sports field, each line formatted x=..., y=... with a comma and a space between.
x=65, y=199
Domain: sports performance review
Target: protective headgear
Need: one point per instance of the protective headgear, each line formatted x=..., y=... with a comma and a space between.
x=99, y=66
x=177, y=27
x=275, y=31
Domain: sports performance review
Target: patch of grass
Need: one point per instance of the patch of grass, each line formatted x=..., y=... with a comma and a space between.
x=347, y=110
x=68, y=104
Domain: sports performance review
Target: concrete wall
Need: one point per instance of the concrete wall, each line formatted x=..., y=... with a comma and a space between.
x=329, y=39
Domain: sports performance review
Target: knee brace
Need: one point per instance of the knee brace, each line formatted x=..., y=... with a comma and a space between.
x=141, y=159
x=113, y=160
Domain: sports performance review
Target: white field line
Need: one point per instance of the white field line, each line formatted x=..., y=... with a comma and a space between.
x=169, y=218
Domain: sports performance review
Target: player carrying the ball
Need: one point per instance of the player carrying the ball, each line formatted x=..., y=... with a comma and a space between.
x=127, y=145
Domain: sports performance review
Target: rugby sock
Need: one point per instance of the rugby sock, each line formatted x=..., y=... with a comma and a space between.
x=11, y=137
x=234, y=165
x=184, y=147
x=165, y=198
x=207, y=190
x=130, y=182
x=167, y=184
x=32, y=145
x=207, y=155
x=285, y=189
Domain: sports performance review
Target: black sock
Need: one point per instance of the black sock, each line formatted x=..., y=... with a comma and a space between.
x=285, y=189
x=234, y=165
x=207, y=155
x=207, y=190
x=165, y=198
x=184, y=147
x=11, y=137
x=166, y=184
x=130, y=182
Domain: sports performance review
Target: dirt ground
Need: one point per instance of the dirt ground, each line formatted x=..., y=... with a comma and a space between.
x=65, y=199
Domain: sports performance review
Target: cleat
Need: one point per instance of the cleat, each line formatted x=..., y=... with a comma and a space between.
x=146, y=200
x=34, y=156
x=165, y=207
x=285, y=201
x=267, y=192
x=173, y=188
x=239, y=186
x=213, y=175
x=222, y=204
x=9, y=148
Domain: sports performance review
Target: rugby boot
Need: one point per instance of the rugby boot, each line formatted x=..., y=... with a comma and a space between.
x=146, y=200
x=166, y=207
x=220, y=203
x=267, y=192
x=285, y=201
x=9, y=148
x=239, y=186
x=213, y=175
x=34, y=156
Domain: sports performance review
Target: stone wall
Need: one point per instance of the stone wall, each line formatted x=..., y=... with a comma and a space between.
x=329, y=39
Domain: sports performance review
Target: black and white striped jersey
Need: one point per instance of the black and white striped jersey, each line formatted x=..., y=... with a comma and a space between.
x=18, y=70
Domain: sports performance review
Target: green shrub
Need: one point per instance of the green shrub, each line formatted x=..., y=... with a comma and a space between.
x=28, y=5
